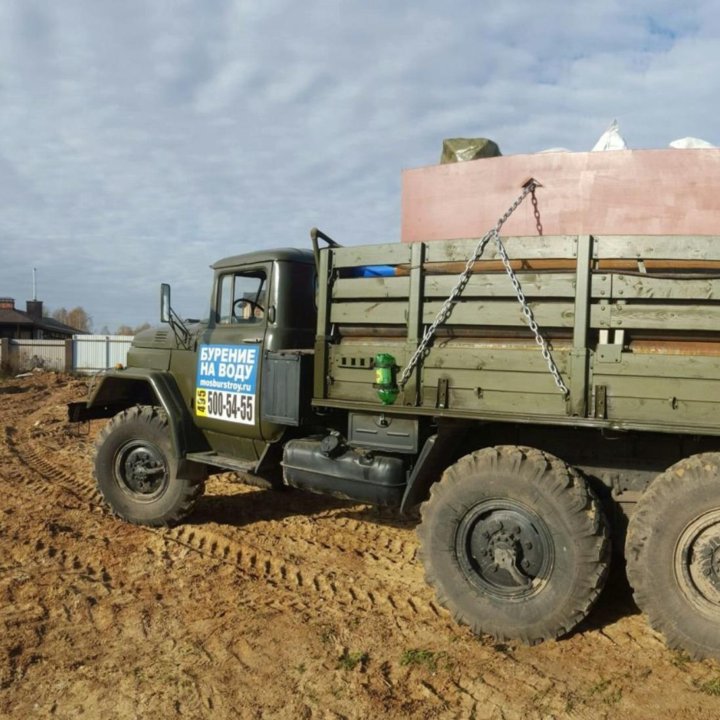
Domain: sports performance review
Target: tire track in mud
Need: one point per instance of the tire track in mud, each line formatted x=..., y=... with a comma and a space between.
x=297, y=588
x=33, y=470
x=308, y=587
x=302, y=586
x=384, y=558
x=290, y=559
x=374, y=571
x=318, y=534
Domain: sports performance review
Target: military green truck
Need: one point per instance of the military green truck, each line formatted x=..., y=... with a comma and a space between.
x=534, y=397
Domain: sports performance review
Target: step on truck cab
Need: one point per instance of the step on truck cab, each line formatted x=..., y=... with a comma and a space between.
x=533, y=396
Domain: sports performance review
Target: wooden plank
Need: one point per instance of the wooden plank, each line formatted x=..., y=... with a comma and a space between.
x=362, y=346
x=560, y=264
x=377, y=287
x=523, y=247
x=647, y=287
x=600, y=315
x=659, y=412
x=665, y=317
x=514, y=382
x=499, y=285
x=474, y=312
x=354, y=375
x=361, y=255
x=654, y=388
x=371, y=313
x=353, y=391
x=471, y=358
x=661, y=247
x=686, y=348
x=624, y=192
x=661, y=367
x=499, y=403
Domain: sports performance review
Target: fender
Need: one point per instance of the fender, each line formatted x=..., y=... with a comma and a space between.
x=438, y=452
x=117, y=390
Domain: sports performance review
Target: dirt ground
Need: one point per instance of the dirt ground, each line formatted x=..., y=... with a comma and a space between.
x=270, y=605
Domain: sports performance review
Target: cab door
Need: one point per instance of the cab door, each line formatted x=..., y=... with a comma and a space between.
x=229, y=360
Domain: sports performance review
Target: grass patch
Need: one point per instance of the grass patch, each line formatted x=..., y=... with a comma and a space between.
x=350, y=660
x=417, y=657
x=711, y=687
x=599, y=687
x=328, y=636
x=680, y=659
x=606, y=692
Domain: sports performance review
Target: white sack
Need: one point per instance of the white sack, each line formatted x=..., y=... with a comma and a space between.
x=611, y=139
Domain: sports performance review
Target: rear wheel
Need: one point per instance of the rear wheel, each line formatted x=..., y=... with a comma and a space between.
x=515, y=544
x=137, y=472
x=673, y=555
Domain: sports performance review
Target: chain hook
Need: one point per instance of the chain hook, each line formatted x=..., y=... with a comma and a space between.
x=447, y=307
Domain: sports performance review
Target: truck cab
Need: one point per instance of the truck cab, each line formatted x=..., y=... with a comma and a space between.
x=207, y=377
x=261, y=303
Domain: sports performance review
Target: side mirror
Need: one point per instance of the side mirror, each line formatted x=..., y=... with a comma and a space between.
x=165, y=303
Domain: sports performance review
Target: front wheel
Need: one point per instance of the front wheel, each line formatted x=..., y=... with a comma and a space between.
x=673, y=555
x=515, y=544
x=137, y=472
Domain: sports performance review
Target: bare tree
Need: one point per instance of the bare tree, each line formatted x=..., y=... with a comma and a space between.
x=128, y=330
x=76, y=318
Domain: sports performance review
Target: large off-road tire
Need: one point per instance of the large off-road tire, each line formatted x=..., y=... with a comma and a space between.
x=515, y=544
x=137, y=472
x=673, y=555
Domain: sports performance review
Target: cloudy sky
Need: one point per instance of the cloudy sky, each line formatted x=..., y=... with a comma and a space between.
x=139, y=141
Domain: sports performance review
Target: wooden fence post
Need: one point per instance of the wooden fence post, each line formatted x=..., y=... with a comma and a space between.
x=5, y=355
x=69, y=355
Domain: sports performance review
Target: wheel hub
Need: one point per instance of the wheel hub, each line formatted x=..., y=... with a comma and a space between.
x=504, y=548
x=141, y=468
x=698, y=558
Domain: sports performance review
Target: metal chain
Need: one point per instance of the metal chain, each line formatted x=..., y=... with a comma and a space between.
x=536, y=211
x=447, y=307
x=530, y=318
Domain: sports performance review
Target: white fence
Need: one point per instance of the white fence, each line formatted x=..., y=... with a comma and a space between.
x=48, y=354
x=97, y=352
x=82, y=354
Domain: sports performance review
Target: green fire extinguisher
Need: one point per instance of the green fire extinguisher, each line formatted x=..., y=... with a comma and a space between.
x=385, y=378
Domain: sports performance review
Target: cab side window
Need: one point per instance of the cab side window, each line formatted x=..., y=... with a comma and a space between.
x=242, y=298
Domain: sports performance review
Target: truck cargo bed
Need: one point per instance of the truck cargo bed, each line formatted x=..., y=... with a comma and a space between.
x=633, y=323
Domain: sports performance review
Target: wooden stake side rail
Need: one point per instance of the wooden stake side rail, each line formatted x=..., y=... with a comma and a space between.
x=633, y=330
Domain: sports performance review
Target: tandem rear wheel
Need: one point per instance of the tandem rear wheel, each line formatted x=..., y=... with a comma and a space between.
x=673, y=555
x=515, y=544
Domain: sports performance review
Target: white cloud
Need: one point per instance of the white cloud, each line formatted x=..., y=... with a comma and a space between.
x=141, y=141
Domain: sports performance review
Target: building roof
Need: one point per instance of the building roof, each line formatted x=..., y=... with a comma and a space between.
x=56, y=326
x=17, y=317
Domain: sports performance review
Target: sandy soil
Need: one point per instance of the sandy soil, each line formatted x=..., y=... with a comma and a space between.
x=270, y=605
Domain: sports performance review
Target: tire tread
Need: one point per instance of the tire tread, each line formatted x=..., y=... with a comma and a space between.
x=566, y=484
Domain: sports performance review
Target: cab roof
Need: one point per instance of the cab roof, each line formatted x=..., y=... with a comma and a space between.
x=260, y=256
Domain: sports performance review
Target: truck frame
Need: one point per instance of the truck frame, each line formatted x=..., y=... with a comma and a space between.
x=522, y=475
